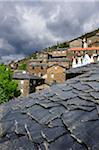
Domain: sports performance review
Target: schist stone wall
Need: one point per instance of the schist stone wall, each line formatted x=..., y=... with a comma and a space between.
x=24, y=87
x=56, y=74
x=76, y=43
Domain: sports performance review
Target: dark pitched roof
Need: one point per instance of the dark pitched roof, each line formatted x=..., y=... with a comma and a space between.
x=59, y=60
x=25, y=76
x=39, y=65
x=56, y=65
x=63, y=117
x=35, y=60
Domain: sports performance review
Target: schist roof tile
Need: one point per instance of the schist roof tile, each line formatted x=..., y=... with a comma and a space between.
x=63, y=117
x=83, y=69
x=25, y=76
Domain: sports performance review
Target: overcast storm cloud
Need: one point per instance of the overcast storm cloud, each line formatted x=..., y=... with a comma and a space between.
x=26, y=26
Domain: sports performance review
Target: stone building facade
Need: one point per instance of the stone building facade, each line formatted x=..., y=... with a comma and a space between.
x=55, y=59
x=24, y=87
x=58, y=54
x=91, y=40
x=85, y=47
x=88, y=38
x=76, y=43
x=56, y=74
x=43, y=56
x=84, y=56
x=27, y=83
x=37, y=69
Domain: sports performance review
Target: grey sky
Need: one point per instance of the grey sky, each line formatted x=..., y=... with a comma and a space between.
x=26, y=26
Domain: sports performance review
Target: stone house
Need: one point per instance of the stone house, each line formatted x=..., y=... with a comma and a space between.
x=85, y=44
x=83, y=56
x=58, y=54
x=44, y=56
x=94, y=44
x=85, y=40
x=37, y=69
x=92, y=40
x=49, y=55
x=27, y=83
x=75, y=43
x=56, y=74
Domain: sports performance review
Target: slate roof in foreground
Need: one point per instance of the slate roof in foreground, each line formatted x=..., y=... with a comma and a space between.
x=83, y=69
x=63, y=117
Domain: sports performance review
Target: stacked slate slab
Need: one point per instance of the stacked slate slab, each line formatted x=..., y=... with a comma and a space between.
x=83, y=69
x=63, y=117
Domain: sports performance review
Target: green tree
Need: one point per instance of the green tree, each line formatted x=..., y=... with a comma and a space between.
x=8, y=87
x=23, y=66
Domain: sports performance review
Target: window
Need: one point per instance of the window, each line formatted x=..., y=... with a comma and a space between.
x=22, y=91
x=22, y=82
x=41, y=74
x=52, y=75
x=41, y=67
x=34, y=82
x=63, y=51
x=55, y=67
